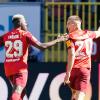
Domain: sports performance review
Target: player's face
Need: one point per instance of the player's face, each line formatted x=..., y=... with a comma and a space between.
x=24, y=24
x=72, y=26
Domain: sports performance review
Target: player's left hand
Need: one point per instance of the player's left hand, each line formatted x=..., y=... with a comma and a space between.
x=66, y=79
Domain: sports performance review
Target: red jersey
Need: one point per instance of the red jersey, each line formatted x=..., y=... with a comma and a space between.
x=16, y=45
x=82, y=42
x=96, y=50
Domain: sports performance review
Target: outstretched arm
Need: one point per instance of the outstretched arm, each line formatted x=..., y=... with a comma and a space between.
x=97, y=32
x=33, y=41
x=45, y=45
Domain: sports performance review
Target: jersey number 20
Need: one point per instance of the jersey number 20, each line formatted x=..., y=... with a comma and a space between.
x=88, y=47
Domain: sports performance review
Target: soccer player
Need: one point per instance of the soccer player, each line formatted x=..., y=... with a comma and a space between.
x=16, y=43
x=78, y=68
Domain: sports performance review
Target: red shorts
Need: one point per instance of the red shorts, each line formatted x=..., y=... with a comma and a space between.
x=19, y=79
x=80, y=78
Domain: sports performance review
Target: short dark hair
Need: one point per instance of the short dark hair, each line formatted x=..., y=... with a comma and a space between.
x=16, y=20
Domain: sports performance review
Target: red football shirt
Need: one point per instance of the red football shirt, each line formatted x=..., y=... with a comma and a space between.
x=16, y=44
x=82, y=42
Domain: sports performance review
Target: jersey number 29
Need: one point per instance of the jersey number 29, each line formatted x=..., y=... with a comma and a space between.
x=17, y=46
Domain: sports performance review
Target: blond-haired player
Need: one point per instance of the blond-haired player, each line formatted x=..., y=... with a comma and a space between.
x=79, y=46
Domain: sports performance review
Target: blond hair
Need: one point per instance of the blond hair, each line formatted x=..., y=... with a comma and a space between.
x=18, y=16
x=75, y=19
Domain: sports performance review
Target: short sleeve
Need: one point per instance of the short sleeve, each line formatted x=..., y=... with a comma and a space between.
x=69, y=43
x=30, y=38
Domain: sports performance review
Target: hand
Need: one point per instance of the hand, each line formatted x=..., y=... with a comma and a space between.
x=58, y=35
x=66, y=36
x=61, y=38
x=66, y=79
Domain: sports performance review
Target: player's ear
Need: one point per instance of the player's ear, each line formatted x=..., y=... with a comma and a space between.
x=23, y=26
x=19, y=23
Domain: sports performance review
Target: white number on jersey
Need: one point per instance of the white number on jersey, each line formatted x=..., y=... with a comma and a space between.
x=17, y=46
x=94, y=50
x=87, y=44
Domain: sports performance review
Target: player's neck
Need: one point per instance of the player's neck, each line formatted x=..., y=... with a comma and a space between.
x=18, y=28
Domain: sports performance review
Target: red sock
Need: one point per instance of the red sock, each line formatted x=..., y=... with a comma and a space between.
x=15, y=96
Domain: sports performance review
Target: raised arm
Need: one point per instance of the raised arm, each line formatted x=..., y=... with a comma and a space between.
x=97, y=32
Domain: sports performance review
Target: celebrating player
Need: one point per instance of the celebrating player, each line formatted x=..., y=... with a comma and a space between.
x=79, y=47
x=16, y=43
